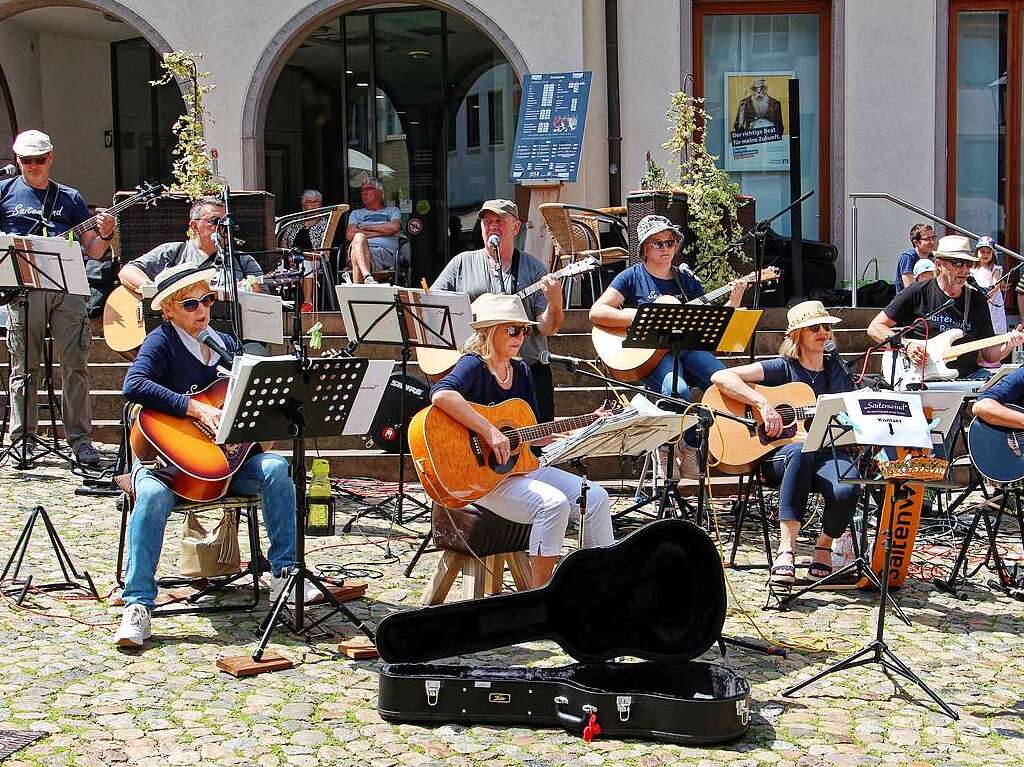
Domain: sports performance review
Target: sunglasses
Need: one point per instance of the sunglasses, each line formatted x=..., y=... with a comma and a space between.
x=663, y=244
x=956, y=263
x=33, y=160
x=214, y=221
x=819, y=327
x=515, y=332
x=191, y=304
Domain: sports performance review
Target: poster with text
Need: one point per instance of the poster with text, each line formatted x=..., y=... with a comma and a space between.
x=756, y=121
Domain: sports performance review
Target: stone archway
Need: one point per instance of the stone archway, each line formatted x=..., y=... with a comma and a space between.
x=8, y=116
x=292, y=35
x=123, y=12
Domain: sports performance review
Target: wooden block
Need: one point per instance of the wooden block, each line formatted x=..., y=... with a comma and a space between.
x=358, y=648
x=348, y=592
x=244, y=665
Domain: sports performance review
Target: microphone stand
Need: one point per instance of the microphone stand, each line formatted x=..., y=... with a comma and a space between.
x=228, y=265
x=497, y=258
x=896, y=339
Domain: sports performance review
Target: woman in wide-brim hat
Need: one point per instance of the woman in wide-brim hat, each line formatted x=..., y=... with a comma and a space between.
x=489, y=373
x=801, y=359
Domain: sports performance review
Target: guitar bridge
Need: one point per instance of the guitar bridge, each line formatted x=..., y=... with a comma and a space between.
x=477, y=448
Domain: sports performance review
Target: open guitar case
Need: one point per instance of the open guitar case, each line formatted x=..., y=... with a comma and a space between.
x=657, y=595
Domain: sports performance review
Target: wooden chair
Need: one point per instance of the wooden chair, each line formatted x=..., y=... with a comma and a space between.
x=478, y=544
x=576, y=233
x=321, y=234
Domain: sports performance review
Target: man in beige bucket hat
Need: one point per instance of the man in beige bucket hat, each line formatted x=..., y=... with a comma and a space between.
x=969, y=311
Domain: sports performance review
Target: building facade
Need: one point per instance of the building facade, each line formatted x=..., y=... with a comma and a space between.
x=917, y=98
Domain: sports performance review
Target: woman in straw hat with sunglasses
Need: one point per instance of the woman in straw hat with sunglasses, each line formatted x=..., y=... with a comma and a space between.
x=172, y=364
x=801, y=359
x=488, y=373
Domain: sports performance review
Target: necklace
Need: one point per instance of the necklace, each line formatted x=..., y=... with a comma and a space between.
x=506, y=377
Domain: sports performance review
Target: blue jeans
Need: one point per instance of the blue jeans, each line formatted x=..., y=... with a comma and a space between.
x=695, y=369
x=263, y=474
x=797, y=473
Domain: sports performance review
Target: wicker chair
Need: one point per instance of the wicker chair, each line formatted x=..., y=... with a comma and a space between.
x=576, y=233
x=325, y=224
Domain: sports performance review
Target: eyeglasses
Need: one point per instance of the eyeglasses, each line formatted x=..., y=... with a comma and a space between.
x=929, y=238
x=33, y=160
x=515, y=332
x=191, y=304
x=213, y=220
x=663, y=244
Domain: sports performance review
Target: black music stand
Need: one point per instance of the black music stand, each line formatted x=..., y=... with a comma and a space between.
x=278, y=398
x=677, y=328
x=399, y=320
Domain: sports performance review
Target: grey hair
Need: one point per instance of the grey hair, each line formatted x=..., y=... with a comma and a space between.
x=202, y=202
x=371, y=181
x=311, y=194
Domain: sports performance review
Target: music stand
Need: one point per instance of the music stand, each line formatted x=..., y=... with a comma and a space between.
x=689, y=327
x=876, y=651
x=409, y=318
x=273, y=398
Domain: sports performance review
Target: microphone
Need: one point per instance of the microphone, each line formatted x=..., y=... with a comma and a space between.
x=833, y=351
x=206, y=337
x=972, y=283
x=9, y=170
x=494, y=243
x=546, y=358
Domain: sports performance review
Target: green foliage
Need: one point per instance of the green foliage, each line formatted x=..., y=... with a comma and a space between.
x=654, y=177
x=710, y=191
x=192, y=173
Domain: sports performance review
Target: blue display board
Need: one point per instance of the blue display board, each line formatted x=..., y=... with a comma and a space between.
x=549, y=137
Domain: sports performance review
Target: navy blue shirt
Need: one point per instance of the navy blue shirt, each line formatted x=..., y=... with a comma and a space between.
x=473, y=380
x=638, y=286
x=905, y=266
x=782, y=370
x=164, y=371
x=1008, y=391
x=21, y=206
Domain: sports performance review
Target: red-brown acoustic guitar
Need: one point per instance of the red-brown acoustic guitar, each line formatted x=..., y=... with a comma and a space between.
x=192, y=464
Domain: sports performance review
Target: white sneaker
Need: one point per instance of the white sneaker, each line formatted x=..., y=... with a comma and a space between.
x=310, y=592
x=369, y=280
x=135, y=627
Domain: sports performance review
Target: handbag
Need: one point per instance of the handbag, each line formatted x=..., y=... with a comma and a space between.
x=205, y=554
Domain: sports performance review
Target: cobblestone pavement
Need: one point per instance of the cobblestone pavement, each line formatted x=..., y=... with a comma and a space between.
x=169, y=705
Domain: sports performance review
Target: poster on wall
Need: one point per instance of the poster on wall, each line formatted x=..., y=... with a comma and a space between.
x=757, y=112
x=549, y=135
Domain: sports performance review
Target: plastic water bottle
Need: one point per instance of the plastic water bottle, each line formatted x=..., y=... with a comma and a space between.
x=319, y=501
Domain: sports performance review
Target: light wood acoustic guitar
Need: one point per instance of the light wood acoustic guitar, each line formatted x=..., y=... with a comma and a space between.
x=437, y=363
x=194, y=466
x=631, y=364
x=124, y=325
x=456, y=467
x=737, y=447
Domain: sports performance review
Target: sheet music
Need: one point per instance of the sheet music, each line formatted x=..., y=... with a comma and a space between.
x=368, y=318
x=41, y=270
x=262, y=317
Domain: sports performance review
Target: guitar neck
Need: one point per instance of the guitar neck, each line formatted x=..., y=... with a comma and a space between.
x=568, y=271
x=89, y=223
x=974, y=346
x=712, y=296
x=539, y=431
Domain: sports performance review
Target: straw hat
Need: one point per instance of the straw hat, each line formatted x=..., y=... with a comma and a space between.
x=174, y=278
x=808, y=313
x=955, y=246
x=498, y=309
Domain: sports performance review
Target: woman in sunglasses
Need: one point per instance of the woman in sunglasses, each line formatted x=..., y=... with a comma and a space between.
x=172, y=364
x=488, y=373
x=801, y=359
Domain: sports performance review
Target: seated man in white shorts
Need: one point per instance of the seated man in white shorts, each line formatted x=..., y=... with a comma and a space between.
x=373, y=234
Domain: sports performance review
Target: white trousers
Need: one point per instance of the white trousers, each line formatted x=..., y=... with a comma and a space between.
x=546, y=499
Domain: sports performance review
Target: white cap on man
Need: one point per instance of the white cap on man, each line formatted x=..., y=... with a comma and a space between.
x=32, y=143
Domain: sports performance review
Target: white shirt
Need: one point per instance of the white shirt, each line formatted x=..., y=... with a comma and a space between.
x=195, y=347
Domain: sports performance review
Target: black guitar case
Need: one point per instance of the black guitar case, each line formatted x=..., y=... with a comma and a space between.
x=657, y=595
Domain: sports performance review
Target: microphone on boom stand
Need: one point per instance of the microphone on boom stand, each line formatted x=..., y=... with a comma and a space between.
x=494, y=245
x=206, y=337
x=546, y=358
x=8, y=170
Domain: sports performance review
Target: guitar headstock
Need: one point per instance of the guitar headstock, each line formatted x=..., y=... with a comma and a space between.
x=148, y=193
x=768, y=274
x=588, y=264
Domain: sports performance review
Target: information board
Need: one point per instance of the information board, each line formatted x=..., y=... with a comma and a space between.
x=549, y=136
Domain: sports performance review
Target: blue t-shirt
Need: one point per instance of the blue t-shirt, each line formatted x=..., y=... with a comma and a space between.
x=782, y=370
x=362, y=216
x=1009, y=391
x=905, y=266
x=21, y=206
x=473, y=380
x=638, y=286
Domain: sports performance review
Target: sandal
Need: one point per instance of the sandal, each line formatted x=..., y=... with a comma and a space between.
x=818, y=570
x=784, y=574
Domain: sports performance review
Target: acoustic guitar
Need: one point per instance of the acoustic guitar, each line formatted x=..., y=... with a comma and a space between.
x=997, y=451
x=124, y=314
x=193, y=465
x=456, y=467
x=736, y=447
x=631, y=364
x=437, y=363
x=940, y=349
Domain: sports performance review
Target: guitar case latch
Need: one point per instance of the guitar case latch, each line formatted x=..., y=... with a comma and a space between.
x=433, y=687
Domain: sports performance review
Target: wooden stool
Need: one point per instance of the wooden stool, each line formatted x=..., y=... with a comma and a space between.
x=478, y=544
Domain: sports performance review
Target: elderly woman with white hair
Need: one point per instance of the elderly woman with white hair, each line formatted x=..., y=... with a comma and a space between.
x=489, y=373
x=801, y=359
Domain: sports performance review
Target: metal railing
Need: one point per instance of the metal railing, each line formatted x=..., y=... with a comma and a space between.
x=854, y=196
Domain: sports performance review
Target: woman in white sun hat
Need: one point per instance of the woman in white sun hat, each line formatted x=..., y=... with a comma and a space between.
x=801, y=359
x=488, y=373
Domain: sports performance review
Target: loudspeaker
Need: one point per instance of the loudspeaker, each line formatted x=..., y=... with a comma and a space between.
x=142, y=228
x=384, y=429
